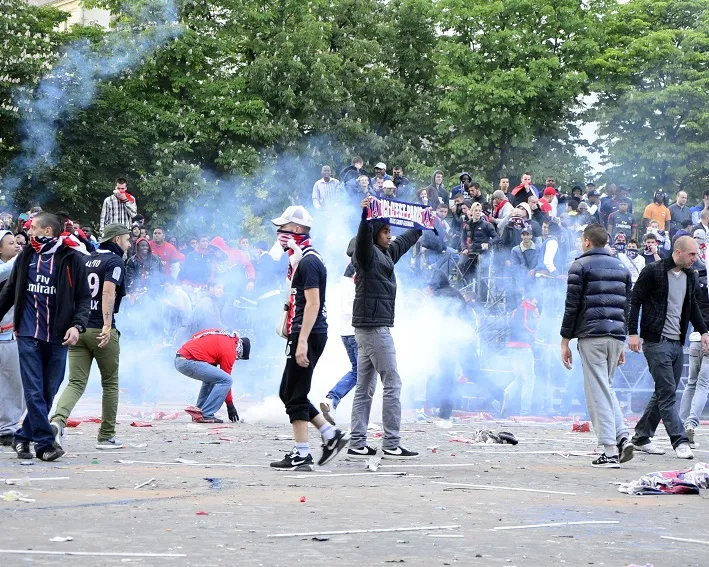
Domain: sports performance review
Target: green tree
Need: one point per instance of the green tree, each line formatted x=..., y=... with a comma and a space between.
x=29, y=49
x=653, y=95
x=513, y=73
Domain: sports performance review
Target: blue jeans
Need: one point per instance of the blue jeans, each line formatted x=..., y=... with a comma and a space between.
x=349, y=380
x=665, y=361
x=215, y=383
x=694, y=397
x=42, y=367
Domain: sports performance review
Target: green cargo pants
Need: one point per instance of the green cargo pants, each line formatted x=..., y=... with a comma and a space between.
x=81, y=356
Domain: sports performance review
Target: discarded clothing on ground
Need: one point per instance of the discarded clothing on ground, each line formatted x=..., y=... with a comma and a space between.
x=487, y=436
x=669, y=482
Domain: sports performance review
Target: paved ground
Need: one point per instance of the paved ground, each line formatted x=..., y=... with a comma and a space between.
x=246, y=503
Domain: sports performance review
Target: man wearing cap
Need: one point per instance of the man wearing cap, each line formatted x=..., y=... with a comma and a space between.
x=105, y=273
x=325, y=188
x=380, y=176
x=372, y=315
x=50, y=293
x=593, y=198
x=305, y=327
x=209, y=357
x=388, y=190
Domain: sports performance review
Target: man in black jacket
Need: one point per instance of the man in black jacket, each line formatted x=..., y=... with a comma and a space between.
x=597, y=298
x=478, y=237
x=666, y=292
x=372, y=314
x=50, y=293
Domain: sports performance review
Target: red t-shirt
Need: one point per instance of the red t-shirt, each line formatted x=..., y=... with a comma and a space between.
x=217, y=350
x=167, y=253
x=545, y=206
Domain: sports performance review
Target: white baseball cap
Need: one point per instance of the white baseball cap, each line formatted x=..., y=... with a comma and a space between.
x=381, y=165
x=296, y=214
x=388, y=184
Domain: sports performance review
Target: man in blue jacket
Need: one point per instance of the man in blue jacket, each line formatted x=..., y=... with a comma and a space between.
x=597, y=298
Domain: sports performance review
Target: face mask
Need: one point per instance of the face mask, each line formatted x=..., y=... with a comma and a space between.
x=632, y=254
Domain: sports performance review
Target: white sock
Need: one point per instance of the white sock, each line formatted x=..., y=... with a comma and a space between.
x=303, y=449
x=327, y=431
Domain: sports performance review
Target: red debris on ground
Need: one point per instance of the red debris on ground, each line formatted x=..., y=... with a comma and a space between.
x=140, y=424
x=302, y=498
x=584, y=427
x=378, y=435
x=201, y=513
x=158, y=415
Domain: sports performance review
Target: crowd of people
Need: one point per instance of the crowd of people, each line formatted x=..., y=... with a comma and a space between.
x=520, y=247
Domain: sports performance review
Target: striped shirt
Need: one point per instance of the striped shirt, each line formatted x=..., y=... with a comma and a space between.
x=322, y=191
x=38, y=313
x=115, y=211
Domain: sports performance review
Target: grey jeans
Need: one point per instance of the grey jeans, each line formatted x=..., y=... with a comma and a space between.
x=12, y=401
x=694, y=397
x=599, y=360
x=215, y=383
x=376, y=355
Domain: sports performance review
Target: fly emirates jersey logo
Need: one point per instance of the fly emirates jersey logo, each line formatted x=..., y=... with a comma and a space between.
x=42, y=286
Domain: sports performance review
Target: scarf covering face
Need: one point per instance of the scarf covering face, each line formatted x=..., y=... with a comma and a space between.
x=50, y=244
x=296, y=245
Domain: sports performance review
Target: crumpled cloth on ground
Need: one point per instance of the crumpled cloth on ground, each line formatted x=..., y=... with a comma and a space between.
x=669, y=482
x=487, y=436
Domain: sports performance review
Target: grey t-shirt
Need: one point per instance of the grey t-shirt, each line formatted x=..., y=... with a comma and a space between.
x=675, y=300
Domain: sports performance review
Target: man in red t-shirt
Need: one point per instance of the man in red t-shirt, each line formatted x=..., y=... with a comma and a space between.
x=170, y=258
x=199, y=358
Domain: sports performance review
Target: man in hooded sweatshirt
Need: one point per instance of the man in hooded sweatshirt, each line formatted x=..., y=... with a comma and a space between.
x=144, y=270
x=372, y=315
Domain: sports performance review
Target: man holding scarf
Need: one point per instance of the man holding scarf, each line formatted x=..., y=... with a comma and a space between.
x=306, y=330
x=372, y=315
x=106, y=278
x=50, y=293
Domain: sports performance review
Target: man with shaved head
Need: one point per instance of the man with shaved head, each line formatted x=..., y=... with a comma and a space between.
x=665, y=291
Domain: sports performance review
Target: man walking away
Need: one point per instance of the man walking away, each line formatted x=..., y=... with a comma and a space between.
x=306, y=328
x=12, y=402
x=372, y=315
x=597, y=298
x=665, y=291
x=106, y=277
x=50, y=292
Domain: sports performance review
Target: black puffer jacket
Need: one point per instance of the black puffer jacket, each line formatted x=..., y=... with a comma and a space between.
x=597, y=297
x=375, y=282
x=650, y=293
x=477, y=233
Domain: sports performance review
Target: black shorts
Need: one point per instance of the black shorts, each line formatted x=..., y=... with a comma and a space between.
x=295, y=384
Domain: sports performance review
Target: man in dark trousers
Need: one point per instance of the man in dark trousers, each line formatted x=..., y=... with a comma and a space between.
x=51, y=296
x=306, y=329
x=597, y=299
x=665, y=291
x=106, y=277
x=372, y=315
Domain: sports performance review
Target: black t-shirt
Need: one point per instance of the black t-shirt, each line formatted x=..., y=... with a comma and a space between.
x=621, y=223
x=309, y=274
x=103, y=266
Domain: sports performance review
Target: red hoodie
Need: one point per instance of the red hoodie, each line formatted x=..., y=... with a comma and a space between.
x=234, y=257
x=217, y=350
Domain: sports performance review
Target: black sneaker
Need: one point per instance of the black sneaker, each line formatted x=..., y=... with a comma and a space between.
x=294, y=462
x=51, y=454
x=6, y=440
x=22, y=448
x=210, y=419
x=398, y=453
x=365, y=452
x=625, y=450
x=330, y=449
x=604, y=462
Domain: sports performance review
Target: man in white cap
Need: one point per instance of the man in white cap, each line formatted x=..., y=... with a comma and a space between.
x=380, y=176
x=388, y=190
x=306, y=330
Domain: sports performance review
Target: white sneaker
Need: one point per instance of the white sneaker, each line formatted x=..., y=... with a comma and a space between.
x=650, y=449
x=111, y=443
x=58, y=433
x=328, y=410
x=684, y=452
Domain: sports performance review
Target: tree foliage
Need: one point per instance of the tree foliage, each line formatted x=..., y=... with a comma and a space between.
x=232, y=118
x=653, y=95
